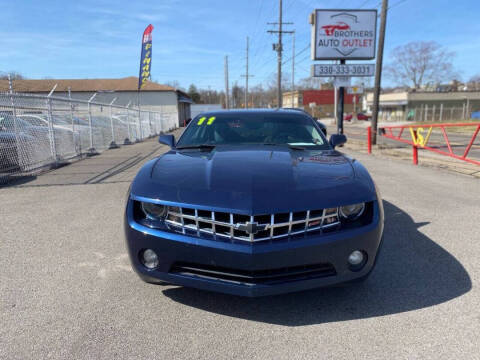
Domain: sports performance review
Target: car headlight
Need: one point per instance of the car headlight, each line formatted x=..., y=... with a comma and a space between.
x=352, y=212
x=154, y=211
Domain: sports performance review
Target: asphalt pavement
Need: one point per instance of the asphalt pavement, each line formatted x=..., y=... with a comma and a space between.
x=67, y=290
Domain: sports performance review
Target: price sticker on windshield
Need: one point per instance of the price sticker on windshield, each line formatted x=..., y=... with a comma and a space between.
x=209, y=121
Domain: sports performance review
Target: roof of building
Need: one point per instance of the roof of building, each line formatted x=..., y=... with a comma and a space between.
x=78, y=85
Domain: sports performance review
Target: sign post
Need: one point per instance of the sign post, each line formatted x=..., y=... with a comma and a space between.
x=343, y=35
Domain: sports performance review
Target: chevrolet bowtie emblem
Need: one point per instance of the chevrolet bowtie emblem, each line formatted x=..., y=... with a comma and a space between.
x=251, y=227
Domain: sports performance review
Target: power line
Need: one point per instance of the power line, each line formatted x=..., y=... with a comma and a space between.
x=299, y=53
x=364, y=3
x=396, y=4
x=260, y=41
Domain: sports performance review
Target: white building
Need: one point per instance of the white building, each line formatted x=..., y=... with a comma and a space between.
x=425, y=105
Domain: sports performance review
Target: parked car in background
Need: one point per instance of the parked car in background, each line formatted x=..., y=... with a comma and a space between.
x=360, y=116
x=66, y=140
x=38, y=120
x=10, y=151
x=253, y=203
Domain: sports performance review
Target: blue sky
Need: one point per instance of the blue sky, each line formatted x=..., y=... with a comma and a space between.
x=101, y=39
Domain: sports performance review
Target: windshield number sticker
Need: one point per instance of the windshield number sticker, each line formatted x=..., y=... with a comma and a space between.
x=209, y=122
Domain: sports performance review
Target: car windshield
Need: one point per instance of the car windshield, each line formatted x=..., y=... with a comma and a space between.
x=7, y=122
x=33, y=120
x=254, y=128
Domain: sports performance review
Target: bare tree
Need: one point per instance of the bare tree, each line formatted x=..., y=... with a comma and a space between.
x=13, y=75
x=474, y=83
x=421, y=63
x=310, y=83
x=173, y=83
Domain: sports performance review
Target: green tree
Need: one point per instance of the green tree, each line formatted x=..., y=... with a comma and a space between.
x=193, y=93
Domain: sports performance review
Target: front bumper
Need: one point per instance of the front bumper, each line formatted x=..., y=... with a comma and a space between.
x=174, y=249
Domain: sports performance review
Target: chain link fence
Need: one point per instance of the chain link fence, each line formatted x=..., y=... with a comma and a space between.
x=38, y=132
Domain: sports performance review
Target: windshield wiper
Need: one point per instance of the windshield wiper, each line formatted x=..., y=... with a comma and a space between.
x=296, y=147
x=293, y=147
x=200, y=146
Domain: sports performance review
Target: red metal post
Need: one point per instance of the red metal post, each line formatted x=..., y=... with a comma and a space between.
x=471, y=142
x=369, y=139
x=415, y=155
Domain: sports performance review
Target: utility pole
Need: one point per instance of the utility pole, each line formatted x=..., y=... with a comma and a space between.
x=246, y=76
x=293, y=66
x=335, y=92
x=279, y=48
x=341, y=103
x=378, y=70
x=227, y=92
x=279, y=55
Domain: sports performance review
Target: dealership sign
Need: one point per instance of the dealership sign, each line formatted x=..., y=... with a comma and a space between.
x=344, y=34
x=342, y=81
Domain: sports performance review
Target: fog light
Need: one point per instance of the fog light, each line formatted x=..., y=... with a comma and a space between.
x=149, y=259
x=355, y=258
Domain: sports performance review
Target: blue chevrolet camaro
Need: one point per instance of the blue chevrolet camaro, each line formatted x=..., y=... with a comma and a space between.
x=253, y=203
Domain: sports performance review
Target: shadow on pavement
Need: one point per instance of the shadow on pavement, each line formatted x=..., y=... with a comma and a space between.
x=412, y=272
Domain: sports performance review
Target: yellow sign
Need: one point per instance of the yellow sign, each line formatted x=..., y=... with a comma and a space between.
x=418, y=138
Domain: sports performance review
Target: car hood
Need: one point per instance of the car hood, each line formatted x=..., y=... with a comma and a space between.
x=253, y=180
x=6, y=136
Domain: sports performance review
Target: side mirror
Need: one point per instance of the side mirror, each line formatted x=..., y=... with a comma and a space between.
x=167, y=140
x=337, y=140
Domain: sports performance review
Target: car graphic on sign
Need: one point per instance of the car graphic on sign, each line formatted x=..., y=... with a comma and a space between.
x=330, y=29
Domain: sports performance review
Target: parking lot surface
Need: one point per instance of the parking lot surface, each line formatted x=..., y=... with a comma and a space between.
x=67, y=289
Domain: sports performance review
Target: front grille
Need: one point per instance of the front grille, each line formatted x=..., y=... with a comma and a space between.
x=251, y=228
x=251, y=277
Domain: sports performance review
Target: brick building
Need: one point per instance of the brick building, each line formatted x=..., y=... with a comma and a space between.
x=319, y=103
